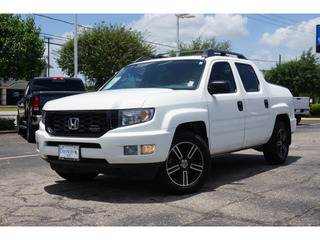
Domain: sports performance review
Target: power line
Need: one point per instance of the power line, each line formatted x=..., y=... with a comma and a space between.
x=262, y=60
x=59, y=20
x=56, y=37
x=308, y=30
x=275, y=24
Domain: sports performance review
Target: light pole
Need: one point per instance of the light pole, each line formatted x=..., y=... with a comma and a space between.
x=183, y=15
x=75, y=46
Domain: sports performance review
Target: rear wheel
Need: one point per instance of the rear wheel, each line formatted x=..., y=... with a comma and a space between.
x=188, y=164
x=18, y=125
x=277, y=149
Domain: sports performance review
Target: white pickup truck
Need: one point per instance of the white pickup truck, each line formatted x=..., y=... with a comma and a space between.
x=165, y=118
x=301, y=107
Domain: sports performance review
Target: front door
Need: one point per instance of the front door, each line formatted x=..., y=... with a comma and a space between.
x=226, y=114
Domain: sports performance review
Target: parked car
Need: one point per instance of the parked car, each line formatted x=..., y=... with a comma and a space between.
x=165, y=118
x=301, y=107
x=39, y=91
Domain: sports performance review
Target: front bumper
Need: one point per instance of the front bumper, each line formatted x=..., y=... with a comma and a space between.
x=108, y=148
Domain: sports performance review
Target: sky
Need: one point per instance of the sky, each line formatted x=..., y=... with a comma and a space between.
x=259, y=30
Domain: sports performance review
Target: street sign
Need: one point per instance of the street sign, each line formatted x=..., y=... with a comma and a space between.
x=318, y=39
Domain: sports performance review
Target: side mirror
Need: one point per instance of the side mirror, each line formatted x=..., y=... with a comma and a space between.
x=20, y=104
x=218, y=87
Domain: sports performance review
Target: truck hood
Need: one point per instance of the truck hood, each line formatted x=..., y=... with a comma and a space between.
x=110, y=99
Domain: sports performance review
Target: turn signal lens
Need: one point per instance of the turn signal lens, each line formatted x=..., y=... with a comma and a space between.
x=147, y=149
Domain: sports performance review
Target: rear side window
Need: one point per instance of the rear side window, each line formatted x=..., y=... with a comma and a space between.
x=58, y=85
x=248, y=77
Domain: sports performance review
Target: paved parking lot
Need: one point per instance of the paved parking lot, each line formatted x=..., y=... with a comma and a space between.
x=242, y=191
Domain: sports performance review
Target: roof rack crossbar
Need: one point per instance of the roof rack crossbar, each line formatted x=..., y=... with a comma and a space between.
x=212, y=52
x=205, y=53
x=148, y=57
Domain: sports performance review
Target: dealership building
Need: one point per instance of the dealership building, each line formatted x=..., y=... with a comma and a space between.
x=11, y=91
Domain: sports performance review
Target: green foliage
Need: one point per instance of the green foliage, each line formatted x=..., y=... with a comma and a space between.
x=102, y=51
x=7, y=124
x=315, y=109
x=301, y=76
x=21, y=49
x=202, y=44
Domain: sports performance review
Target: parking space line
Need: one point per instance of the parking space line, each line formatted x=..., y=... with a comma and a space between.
x=23, y=156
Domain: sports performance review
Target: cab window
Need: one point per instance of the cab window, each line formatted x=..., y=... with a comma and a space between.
x=221, y=71
x=248, y=77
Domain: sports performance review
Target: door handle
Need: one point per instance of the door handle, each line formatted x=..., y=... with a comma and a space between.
x=240, y=105
x=266, y=103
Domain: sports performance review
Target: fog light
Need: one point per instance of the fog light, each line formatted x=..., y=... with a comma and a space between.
x=148, y=148
x=130, y=150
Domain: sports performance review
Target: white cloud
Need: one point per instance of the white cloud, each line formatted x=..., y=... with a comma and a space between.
x=162, y=28
x=298, y=37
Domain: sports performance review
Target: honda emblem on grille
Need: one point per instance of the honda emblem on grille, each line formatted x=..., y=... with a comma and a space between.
x=73, y=123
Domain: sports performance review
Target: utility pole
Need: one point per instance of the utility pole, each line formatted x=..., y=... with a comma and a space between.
x=75, y=46
x=48, y=57
x=279, y=59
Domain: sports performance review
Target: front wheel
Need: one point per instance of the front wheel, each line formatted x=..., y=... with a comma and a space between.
x=277, y=149
x=31, y=133
x=187, y=165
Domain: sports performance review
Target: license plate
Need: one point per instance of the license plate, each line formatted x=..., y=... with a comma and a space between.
x=69, y=152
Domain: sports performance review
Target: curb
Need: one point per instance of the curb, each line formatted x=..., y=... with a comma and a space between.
x=8, y=131
x=311, y=119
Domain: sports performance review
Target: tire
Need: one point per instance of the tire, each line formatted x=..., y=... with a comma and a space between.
x=298, y=119
x=30, y=133
x=277, y=149
x=19, y=130
x=77, y=177
x=187, y=165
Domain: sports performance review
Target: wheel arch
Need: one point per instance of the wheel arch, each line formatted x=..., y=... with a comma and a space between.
x=197, y=127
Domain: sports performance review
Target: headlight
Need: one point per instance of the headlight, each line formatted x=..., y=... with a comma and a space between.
x=43, y=117
x=134, y=116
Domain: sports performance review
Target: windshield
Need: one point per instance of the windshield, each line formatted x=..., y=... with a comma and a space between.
x=181, y=74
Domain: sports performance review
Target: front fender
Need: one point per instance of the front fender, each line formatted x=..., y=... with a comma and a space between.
x=176, y=117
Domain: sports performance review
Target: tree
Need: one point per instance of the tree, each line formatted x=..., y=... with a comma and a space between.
x=102, y=51
x=301, y=76
x=21, y=48
x=201, y=44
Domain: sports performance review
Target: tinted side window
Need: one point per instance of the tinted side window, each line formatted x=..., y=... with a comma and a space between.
x=221, y=71
x=248, y=77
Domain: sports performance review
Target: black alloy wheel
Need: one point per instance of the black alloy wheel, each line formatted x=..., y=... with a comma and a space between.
x=187, y=164
x=277, y=149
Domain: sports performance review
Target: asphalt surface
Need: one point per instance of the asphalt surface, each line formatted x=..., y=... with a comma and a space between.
x=242, y=191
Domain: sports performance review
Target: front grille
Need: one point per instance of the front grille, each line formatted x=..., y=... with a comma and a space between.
x=82, y=145
x=80, y=123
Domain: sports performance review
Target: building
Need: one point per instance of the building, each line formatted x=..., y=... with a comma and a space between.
x=12, y=91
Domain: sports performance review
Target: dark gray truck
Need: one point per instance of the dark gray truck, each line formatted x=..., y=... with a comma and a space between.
x=39, y=91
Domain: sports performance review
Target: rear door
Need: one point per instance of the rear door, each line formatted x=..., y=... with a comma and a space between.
x=256, y=106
